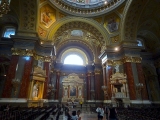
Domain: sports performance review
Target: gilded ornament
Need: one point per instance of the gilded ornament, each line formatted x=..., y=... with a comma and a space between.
x=136, y=59
x=109, y=62
x=127, y=59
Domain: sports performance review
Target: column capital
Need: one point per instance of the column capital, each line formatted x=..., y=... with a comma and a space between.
x=30, y=52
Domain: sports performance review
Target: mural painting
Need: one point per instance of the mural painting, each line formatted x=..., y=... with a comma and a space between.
x=47, y=16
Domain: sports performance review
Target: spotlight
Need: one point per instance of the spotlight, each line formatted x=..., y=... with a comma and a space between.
x=105, y=2
x=116, y=48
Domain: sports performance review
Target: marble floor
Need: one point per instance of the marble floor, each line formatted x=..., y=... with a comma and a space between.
x=85, y=115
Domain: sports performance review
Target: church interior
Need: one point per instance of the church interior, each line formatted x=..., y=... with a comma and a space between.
x=70, y=51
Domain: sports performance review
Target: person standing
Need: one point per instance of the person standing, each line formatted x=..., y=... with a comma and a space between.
x=106, y=111
x=112, y=113
x=100, y=112
x=81, y=103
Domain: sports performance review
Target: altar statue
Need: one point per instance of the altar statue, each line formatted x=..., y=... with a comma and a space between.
x=117, y=68
x=35, y=90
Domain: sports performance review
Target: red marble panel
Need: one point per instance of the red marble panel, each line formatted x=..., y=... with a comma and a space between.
x=130, y=79
x=47, y=80
x=26, y=78
x=142, y=80
x=97, y=86
x=109, y=73
x=10, y=75
x=57, y=84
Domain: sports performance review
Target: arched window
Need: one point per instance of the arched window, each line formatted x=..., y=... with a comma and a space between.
x=140, y=42
x=73, y=59
x=9, y=31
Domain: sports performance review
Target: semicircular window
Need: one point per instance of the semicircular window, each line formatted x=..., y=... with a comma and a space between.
x=73, y=59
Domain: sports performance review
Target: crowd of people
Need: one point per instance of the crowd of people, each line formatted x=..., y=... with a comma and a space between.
x=111, y=112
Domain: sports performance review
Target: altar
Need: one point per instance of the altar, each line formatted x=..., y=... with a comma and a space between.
x=72, y=88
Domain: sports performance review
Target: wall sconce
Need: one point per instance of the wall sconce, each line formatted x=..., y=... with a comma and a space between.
x=15, y=83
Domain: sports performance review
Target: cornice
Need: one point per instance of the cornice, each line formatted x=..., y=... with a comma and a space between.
x=27, y=52
x=123, y=60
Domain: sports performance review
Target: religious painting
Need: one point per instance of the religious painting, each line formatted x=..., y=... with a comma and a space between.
x=112, y=24
x=72, y=91
x=47, y=16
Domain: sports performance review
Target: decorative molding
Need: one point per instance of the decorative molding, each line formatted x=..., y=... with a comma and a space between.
x=27, y=52
x=82, y=10
x=124, y=60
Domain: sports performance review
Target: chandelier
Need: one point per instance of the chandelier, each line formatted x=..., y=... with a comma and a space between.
x=4, y=7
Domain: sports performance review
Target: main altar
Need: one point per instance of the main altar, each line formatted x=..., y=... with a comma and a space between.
x=72, y=88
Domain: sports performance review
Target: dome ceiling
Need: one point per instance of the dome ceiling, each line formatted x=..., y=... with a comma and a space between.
x=86, y=7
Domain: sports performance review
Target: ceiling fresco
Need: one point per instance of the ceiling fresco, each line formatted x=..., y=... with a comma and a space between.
x=47, y=16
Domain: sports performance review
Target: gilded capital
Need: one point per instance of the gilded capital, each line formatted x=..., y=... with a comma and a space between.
x=24, y=52
x=136, y=59
x=117, y=62
x=127, y=59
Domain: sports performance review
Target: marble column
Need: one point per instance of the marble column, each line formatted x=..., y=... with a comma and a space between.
x=142, y=80
x=26, y=78
x=109, y=73
x=104, y=75
x=47, y=80
x=57, y=84
x=130, y=79
x=88, y=86
x=10, y=75
x=97, y=85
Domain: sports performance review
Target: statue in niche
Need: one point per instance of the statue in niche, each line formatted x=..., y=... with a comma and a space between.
x=72, y=91
x=80, y=92
x=65, y=92
x=40, y=63
x=35, y=90
x=117, y=68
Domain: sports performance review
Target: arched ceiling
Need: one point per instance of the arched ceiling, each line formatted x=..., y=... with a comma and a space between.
x=89, y=8
x=132, y=13
x=149, y=26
